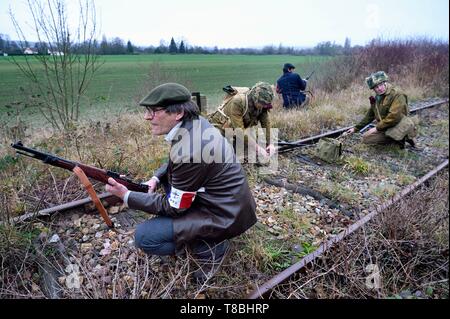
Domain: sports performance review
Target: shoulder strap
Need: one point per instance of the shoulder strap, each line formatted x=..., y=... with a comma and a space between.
x=242, y=96
x=246, y=102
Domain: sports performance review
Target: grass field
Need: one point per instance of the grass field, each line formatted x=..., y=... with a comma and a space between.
x=123, y=80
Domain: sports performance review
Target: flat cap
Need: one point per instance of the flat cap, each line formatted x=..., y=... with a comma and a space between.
x=166, y=94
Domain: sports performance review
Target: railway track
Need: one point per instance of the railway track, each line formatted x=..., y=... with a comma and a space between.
x=264, y=289
x=289, y=154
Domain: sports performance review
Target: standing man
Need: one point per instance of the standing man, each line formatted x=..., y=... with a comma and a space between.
x=207, y=201
x=290, y=85
x=243, y=110
x=390, y=110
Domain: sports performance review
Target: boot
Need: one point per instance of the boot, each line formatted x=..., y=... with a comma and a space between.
x=209, y=260
x=400, y=143
x=411, y=142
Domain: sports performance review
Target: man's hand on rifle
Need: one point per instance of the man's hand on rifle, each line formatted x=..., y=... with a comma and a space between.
x=271, y=150
x=349, y=131
x=262, y=152
x=116, y=188
x=373, y=130
x=152, y=184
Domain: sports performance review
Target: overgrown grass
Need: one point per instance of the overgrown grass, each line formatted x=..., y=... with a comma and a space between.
x=121, y=144
x=408, y=244
x=419, y=62
x=357, y=165
x=338, y=192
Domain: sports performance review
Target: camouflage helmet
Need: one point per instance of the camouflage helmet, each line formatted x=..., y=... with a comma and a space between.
x=376, y=78
x=261, y=92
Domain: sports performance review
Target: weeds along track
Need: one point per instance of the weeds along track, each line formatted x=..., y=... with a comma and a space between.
x=79, y=257
x=334, y=240
x=342, y=197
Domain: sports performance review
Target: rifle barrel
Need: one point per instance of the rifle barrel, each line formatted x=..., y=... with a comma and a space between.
x=98, y=174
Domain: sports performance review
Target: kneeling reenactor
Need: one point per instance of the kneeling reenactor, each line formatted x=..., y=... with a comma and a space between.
x=390, y=110
x=243, y=109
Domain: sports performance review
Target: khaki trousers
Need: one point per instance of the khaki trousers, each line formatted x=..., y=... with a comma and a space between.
x=378, y=138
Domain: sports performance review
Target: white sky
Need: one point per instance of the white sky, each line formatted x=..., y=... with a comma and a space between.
x=255, y=23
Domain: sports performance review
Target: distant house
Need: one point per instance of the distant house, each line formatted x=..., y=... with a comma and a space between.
x=30, y=51
x=55, y=52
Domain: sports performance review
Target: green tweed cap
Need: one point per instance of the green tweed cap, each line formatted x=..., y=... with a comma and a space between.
x=166, y=94
x=376, y=78
x=262, y=92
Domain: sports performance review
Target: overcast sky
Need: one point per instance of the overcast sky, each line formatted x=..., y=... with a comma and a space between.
x=255, y=23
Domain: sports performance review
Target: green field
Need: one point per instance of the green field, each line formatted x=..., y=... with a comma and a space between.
x=122, y=80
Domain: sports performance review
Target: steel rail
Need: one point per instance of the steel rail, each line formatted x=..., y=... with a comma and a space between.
x=335, y=133
x=262, y=290
x=46, y=212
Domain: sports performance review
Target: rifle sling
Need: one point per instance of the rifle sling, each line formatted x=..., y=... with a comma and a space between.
x=90, y=189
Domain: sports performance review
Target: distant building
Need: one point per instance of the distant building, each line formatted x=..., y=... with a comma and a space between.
x=30, y=51
x=55, y=52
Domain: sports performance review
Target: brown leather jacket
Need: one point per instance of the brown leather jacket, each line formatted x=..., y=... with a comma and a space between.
x=223, y=206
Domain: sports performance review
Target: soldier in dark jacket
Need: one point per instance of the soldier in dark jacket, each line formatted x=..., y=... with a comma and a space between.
x=390, y=110
x=290, y=85
x=207, y=198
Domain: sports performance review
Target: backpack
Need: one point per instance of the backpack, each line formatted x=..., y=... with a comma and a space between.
x=218, y=118
x=329, y=150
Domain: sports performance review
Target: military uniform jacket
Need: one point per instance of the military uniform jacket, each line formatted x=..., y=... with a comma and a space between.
x=210, y=201
x=388, y=110
x=242, y=116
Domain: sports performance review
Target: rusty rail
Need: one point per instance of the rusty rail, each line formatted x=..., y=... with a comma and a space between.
x=59, y=208
x=259, y=292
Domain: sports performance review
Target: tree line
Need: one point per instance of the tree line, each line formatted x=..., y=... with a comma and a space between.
x=117, y=46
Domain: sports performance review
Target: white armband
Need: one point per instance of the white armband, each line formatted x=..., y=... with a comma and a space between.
x=180, y=199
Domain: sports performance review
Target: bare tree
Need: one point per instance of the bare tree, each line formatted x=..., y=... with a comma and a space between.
x=63, y=73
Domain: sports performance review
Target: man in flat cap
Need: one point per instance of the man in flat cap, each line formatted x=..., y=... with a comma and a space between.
x=243, y=109
x=207, y=200
x=389, y=107
x=291, y=86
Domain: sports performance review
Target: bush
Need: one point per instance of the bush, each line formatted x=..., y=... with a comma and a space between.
x=413, y=62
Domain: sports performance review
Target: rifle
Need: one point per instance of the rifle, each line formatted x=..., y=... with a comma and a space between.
x=292, y=144
x=98, y=174
x=307, y=78
x=366, y=128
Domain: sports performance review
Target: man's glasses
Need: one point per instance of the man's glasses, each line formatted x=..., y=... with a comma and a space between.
x=152, y=111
